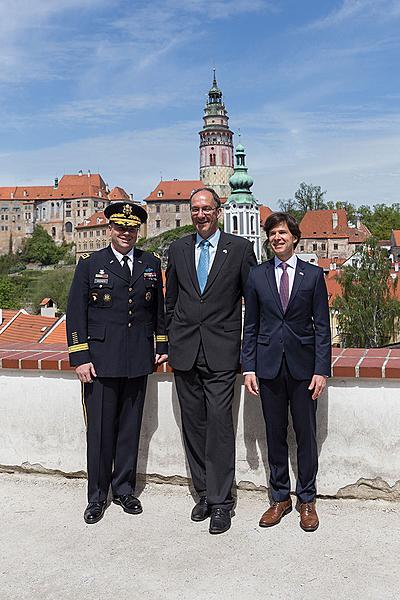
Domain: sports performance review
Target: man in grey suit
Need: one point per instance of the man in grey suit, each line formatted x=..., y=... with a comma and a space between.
x=206, y=275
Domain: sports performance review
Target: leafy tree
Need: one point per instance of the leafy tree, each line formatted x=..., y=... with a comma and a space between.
x=309, y=197
x=290, y=206
x=41, y=248
x=9, y=293
x=351, y=210
x=368, y=310
x=53, y=284
x=381, y=219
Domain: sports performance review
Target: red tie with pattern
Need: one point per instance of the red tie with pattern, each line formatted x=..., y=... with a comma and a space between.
x=284, y=286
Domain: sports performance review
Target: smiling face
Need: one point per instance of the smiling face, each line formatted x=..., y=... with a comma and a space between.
x=204, y=213
x=123, y=238
x=282, y=241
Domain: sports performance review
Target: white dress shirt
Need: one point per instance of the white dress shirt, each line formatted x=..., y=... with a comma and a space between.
x=120, y=257
x=212, y=249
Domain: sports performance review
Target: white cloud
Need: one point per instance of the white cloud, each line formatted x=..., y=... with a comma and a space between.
x=350, y=10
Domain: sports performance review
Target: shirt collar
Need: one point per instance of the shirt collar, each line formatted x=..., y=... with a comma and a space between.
x=291, y=262
x=120, y=256
x=213, y=239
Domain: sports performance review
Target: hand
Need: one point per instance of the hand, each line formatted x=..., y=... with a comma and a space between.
x=159, y=359
x=86, y=372
x=251, y=385
x=318, y=384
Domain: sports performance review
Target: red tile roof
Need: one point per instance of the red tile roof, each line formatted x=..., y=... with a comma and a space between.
x=174, y=190
x=396, y=236
x=8, y=314
x=265, y=211
x=319, y=224
x=95, y=220
x=118, y=193
x=325, y=263
x=69, y=186
x=57, y=334
x=26, y=328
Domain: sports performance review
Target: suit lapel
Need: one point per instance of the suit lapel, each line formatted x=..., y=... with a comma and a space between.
x=270, y=273
x=113, y=265
x=190, y=261
x=219, y=259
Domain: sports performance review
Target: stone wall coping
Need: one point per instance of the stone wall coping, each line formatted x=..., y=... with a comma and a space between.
x=375, y=363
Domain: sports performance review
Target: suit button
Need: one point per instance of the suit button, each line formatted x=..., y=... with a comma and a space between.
x=130, y=300
x=129, y=324
x=130, y=312
x=201, y=301
x=130, y=289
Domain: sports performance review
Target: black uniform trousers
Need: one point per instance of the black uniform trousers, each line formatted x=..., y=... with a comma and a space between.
x=114, y=409
x=276, y=394
x=205, y=399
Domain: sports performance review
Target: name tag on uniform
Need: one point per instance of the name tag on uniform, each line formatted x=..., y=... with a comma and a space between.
x=101, y=277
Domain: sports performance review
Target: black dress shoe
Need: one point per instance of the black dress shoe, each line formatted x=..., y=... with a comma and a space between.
x=220, y=520
x=201, y=510
x=129, y=503
x=94, y=512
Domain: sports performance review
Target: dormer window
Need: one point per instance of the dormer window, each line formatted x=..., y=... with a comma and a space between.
x=160, y=194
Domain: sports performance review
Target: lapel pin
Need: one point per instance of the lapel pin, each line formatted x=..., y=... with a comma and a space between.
x=139, y=261
x=225, y=251
x=300, y=273
x=111, y=261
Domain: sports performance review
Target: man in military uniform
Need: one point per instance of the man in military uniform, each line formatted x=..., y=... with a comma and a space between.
x=115, y=308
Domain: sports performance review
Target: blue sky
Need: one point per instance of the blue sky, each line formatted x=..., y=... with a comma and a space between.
x=118, y=87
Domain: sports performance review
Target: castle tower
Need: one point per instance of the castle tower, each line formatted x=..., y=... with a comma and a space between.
x=216, y=147
x=241, y=212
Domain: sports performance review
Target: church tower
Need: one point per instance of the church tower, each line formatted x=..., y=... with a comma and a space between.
x=216, y=147
x=241, y=210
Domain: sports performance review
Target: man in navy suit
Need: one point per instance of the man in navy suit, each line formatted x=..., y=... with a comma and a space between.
x=287, y=345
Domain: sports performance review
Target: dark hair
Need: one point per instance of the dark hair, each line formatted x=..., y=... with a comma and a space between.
x=215, y=196
x=281, y=217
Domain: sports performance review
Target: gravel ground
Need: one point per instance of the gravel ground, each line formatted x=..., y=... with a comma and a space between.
x=48, y=552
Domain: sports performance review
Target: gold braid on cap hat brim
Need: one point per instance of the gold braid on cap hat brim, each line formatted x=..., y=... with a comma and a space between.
x=122, y=219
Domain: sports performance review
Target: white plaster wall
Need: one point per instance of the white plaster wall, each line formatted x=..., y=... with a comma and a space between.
x=358, y=429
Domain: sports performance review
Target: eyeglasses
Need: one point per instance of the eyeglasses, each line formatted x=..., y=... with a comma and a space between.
x=206, y=210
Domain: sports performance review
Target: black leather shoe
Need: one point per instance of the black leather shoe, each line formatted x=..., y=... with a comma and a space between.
x=94, y=512
x=129, y=503
x=201, y=510
x=220, y=520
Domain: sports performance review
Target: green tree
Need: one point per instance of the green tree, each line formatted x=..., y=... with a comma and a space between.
x=41, y=248
x=351, y=210
x=9, y=293
x=53, y=284
x=380, y=219
x=290, y=206
x=368, y=311
x=309, y=197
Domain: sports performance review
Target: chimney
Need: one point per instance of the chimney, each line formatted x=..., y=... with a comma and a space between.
x=80, y=172
x=56, y=183
x=88, y=173
x=334, y=220
x=131, y=195
x=25, y=193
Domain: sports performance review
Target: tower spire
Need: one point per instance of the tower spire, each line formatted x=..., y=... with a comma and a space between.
x=216, y=146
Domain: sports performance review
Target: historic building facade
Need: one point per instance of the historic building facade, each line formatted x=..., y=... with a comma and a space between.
x=58, y=208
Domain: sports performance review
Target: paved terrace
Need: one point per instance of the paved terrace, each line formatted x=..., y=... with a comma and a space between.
x=48, y=553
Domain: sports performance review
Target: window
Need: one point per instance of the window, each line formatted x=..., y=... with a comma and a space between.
x=160, y=194
x=85, y=234
x=177, y=223
x=235, y=223
x=53, y=231
x=68, y=205
x=314, y=247
x=158, y=208
x=335, y=246
x=177, y=208
x=84, y=213
x=67, y=213
x=68, y=227
x=91, y=245
x=91, y=234
x=98, y=232
x=104, y=232
x=85, y=246
x=78, y=213
x=323, y=246
x=158, y=224
x=85, y=203
x=301, y=248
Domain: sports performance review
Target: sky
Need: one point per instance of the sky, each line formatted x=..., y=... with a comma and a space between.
x=118, y=87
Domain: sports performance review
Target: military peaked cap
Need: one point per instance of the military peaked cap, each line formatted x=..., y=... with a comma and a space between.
x=125, y=213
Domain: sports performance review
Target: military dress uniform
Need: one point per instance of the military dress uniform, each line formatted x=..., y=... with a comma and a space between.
x=112, y=320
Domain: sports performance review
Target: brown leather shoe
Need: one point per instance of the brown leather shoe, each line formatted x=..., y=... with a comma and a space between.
x=308, y=516
x=274, y=514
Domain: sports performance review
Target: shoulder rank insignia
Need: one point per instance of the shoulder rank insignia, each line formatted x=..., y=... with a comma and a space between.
x=85, y=255
x=156, y=255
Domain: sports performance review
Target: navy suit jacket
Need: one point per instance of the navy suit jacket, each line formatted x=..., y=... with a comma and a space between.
x=302, y=332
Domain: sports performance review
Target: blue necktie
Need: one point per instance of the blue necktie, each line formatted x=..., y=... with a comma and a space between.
x=203, y=264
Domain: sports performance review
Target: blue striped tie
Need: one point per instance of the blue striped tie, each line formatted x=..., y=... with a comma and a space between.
x=203, y=264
